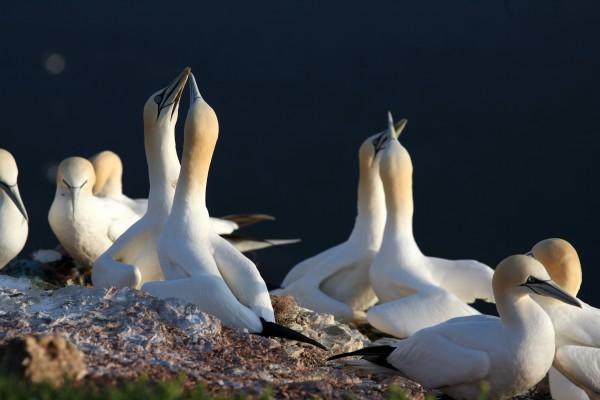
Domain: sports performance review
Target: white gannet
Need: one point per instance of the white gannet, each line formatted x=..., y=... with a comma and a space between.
x=199, y=266
x=415, y=291
x=84, y=224
x=510, y=354
x=13, y=216
x=109, y=183
x=576, y=371
x=336, y=281
x=132, y=259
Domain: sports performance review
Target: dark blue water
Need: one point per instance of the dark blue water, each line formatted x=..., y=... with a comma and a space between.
x=502, y=99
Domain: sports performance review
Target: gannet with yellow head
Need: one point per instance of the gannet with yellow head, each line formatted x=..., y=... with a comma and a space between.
x=200, y=266
x=13, y=216
x=336, y=281
x=415, y=291
x=576, y=370
x=132, y=259
x=509, y=354
x=84, y=224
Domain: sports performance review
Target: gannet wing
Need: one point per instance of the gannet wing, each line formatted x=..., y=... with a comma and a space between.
x=109, y=270
x=580, y=326
x=436, y=361
x=562, y=388
x=243, y=220
x=243, y=278
x=424, y=308
x=212, y=295
x=466, y=279
x=314, y=263
x=222, y=226
x=247, y=243
x=581, y=365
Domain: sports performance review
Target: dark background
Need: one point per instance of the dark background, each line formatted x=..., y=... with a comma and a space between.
x=501, y=96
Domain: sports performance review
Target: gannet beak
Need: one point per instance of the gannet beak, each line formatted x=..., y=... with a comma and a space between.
x=530, y=254
x=74, y=198
x=551, y=289
x=12, y=191
x=174, y=91
x=395, y=129
x=194, y=92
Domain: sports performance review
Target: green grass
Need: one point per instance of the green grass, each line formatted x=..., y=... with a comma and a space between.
x=17, y=389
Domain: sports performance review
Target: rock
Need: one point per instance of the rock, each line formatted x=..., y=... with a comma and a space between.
x=42, y=358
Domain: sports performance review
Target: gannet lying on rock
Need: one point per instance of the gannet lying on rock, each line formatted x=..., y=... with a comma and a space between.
x=336, y=281
x=576, y=371
x=132, y=259
x=13, y=216
x=415, y=291
x=109, y=174
x=510, y=354
x=85, y=225
x=199, y=266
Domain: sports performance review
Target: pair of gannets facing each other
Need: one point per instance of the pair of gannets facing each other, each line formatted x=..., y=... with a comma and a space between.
x=109, y=183
x=415, y=291
x=576, y=370
x=511, y=353
x=336, y=281
x=13, y=216
x=199, y=266
x=132, y=259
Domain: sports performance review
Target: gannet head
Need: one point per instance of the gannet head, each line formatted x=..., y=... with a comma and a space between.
x=374, y=143
x=75, y=176
x=109, y=173
x=201, y=128
x=561, y=261
x=520, y=276
x=8, y=181
x=395, y=159
x=162, y=107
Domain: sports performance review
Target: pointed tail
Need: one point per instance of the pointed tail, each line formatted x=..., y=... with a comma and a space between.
x=271, y=329
x=376, y=351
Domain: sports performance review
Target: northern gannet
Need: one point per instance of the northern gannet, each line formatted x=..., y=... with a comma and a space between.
x=132, y=259
x=13, y=216
x=84, y=224
x=336, y=281
x=415, y=291
x=199, y=266
x=510, y=354
x=576, y=371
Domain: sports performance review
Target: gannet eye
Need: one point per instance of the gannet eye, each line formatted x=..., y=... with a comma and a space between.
x=158, y=98
x=531, y=279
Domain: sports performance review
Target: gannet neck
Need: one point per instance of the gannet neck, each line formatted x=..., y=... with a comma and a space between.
x=201, y=133
x=109, y=174
x=396, y=176
x=370, y=218
x=163, y=168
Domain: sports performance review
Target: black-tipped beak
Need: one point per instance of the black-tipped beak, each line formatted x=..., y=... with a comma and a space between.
x=271, y=329
x=174, y=91
x=12, y=191
x=194, y=92
x=551, y=289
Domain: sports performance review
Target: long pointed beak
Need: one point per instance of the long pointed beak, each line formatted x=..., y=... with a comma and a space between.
x=551, y=289
x=13, y=194
x=194, y=92
x=395, y=129
x=74, y=198
x=174, y=91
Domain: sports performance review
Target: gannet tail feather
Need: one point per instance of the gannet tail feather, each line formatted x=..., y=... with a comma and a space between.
x=247, y=243
x=271, y=329
x=371, y=351
x=248, y=219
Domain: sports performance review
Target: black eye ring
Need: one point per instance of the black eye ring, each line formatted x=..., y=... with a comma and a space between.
x=531, y=279
x=158, y=98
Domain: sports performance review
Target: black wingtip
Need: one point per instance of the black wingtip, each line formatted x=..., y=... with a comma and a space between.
x=271, y=329
x=366, y=351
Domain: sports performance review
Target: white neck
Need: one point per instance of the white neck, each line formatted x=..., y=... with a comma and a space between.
x=370, y=218
x=163, y=170
x=521, y=312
